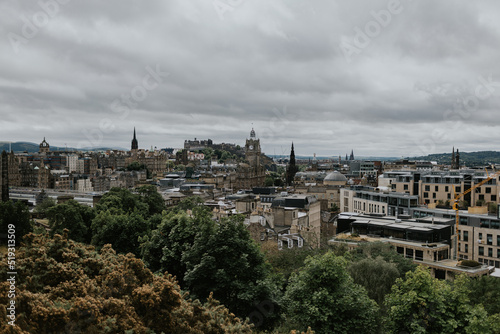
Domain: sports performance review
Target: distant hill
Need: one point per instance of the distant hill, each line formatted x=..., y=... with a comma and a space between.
x=335, y=158
x=470, y=159
x=32, y=147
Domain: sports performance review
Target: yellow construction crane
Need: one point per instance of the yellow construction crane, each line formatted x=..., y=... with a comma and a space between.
x=455, y=204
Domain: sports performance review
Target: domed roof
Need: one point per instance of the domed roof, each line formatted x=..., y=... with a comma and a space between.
x=335, y=176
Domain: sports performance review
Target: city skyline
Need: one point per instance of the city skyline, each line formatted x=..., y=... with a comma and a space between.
x=385, y=78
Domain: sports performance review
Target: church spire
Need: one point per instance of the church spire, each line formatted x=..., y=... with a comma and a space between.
x=453, y=158
x=292, y=168
x=135, y=145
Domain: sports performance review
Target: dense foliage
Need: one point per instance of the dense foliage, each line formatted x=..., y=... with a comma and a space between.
x=323, y=295
x=123, y=217
x=73, y=216
x=210, y=257
x=68, y=287
x=422, y=304
x=188, y=256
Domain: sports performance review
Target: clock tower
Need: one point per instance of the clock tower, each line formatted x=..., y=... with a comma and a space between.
x=251, y=173
x=252, y=150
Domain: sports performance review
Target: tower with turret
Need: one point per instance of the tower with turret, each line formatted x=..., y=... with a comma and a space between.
x=44, y=147
x=252, y=150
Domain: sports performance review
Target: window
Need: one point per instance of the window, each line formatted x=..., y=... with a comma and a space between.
x=426, y=195
x=466, y=248
x=493, y=198
x=481, y=250
x=457, y=189
x=489, y=239
x=480, y=236
x=498, y=253
x=433, y=195
x=427, y=188
x=405, y=187
x=487, y=190
x=466, y=236
x=498, y=240
x=436, y=188
x=490, y=252
x=481, y=197
x=446, y=188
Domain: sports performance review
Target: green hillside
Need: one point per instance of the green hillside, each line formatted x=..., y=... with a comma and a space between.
x=469, y=159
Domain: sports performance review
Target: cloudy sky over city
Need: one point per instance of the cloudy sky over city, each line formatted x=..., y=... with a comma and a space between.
x=383, y=78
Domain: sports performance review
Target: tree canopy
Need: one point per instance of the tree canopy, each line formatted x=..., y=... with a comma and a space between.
x=68, y=287
x=73, y=216
x=323, y=296
x=209, y=257
x=422, y=304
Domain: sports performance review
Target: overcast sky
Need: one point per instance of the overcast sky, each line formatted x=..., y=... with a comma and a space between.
x=384, y=78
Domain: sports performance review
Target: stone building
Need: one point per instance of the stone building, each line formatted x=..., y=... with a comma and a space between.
x=252, y=173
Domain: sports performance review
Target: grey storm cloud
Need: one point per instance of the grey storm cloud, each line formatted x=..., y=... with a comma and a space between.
x=385, y=78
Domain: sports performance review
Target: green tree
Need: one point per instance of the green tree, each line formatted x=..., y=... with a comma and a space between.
x=485, y=291
x=121, y=230
x=226, y=156
x=208, y=152
x=323, y=295
x=335, y=208
x=162, y=249
x=374, y=250
x=73, y=216
x=150, y=196
x=269, y=181
x=46, y=203
x=422, y=304
x=135, y=166
x=17, y=214
x=191, y=203
x=120, y=200
x=376, y=275
x=226, y=261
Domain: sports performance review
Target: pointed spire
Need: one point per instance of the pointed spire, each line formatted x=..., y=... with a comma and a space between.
x=135, y=144
x=453, y=158
x=291, y=168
